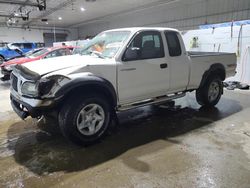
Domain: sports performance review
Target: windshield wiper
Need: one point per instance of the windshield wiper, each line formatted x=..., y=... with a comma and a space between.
x=98, y=54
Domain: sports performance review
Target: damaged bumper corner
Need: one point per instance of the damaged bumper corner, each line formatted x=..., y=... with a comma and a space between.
x=19, y=111
x=24, y=109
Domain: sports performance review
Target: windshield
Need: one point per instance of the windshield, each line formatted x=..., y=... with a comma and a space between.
x=29, y=53
x=39, y=53
x=104, y=45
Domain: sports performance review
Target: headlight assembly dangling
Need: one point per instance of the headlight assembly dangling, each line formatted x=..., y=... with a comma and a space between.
x=45, y=86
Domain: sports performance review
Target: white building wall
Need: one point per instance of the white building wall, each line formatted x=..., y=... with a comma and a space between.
x=224, y=39
x=183, y=15
x=32, y=35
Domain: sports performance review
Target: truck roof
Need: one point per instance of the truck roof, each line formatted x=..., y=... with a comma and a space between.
x=136, y=29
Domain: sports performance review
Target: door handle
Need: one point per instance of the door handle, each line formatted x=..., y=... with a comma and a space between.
x=164, y=66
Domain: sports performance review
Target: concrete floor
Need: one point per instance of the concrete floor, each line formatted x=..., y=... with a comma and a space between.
x=185, y=146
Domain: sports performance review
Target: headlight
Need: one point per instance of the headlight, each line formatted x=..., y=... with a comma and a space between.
x=30, y=89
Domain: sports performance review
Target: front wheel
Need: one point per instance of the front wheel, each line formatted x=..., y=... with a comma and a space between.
x=210, y=93
x=85, y=119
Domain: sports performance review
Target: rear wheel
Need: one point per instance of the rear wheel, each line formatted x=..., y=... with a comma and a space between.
x=85, y=119
x=210, y=93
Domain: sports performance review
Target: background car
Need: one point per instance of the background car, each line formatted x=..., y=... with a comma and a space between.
x=6, y=68
x=29, y=53
x=15, y=50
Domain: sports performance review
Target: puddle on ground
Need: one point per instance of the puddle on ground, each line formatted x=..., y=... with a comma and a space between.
x=30, y=154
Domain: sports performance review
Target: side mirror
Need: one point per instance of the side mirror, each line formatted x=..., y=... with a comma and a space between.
x=131, y=54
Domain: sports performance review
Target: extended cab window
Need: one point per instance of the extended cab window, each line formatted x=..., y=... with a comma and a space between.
x=174, y=46
x=146, y=45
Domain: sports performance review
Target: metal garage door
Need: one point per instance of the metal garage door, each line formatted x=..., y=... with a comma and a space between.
x=49, y=38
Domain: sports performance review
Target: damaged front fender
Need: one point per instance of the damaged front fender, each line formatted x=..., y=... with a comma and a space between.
x=50, y=85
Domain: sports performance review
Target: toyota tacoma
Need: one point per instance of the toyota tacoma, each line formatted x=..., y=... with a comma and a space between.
x=118, y=70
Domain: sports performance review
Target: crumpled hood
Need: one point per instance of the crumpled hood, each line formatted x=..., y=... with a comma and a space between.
x=46, y=66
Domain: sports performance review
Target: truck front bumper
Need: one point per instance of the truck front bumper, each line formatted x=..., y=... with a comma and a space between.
x=23, y=110
x=25, y=107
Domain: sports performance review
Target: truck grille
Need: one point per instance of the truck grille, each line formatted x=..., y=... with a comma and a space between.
x=14, y=82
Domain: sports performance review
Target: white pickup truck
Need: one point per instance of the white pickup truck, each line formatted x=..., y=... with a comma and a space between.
x=118, y=70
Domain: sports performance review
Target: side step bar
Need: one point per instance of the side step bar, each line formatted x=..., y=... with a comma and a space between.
x=157, y=100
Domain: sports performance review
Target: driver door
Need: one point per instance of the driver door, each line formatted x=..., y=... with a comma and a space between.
x=145, y=74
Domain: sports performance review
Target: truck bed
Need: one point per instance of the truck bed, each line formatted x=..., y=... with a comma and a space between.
x=201, y=61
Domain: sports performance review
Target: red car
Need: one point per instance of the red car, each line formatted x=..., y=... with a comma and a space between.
x=6, y=67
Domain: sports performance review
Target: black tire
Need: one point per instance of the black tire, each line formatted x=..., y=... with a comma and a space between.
x=1, y=60
x=69, y=114
x=202, y=93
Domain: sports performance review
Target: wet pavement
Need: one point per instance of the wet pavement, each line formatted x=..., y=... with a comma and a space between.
x=183, y=146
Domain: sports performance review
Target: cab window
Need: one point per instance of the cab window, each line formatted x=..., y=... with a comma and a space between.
x=145, y=45
x=174, y=46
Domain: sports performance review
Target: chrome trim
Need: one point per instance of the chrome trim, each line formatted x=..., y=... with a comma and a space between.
x=129, y=69
x=157, y=100
x=20, y=82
